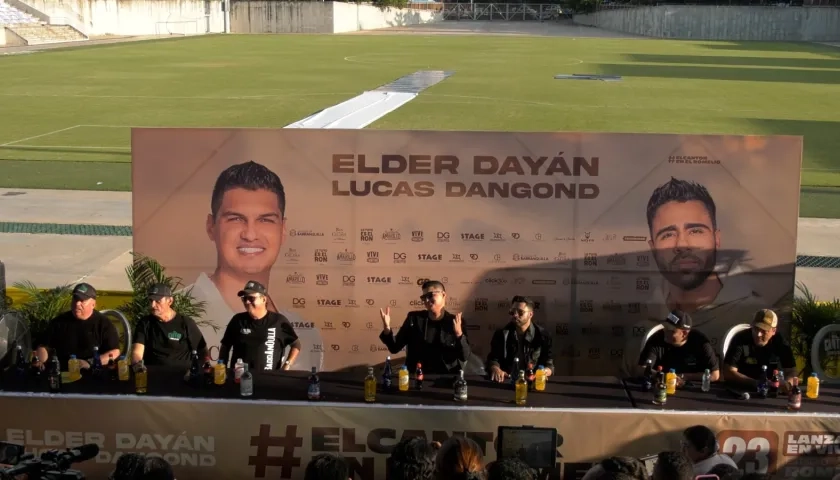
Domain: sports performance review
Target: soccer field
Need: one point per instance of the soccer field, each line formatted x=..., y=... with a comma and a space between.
x=66, y=114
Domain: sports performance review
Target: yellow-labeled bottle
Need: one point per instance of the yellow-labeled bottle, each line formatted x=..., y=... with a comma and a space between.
x=812, y=389
x=74, y=368
x=370, y=386
x=671, y=382
x=122, y=369
x=140, y=377
x=403, y=379
x=220, y=373
x=521, y=389
x=539, y=383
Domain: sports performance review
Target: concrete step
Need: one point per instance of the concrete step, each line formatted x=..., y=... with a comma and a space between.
x=39, y=34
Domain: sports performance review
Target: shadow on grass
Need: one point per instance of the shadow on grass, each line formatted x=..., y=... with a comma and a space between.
x=74, y=150
x=823, y=63
x=804, y=47
x=830, y=77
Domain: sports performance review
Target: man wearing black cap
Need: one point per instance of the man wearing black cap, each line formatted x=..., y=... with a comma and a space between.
x=165, y=337
x=259, y=336
x=677, y=346
x=78, y=331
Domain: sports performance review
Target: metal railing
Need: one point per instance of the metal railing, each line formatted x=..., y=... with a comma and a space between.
x=502, y=11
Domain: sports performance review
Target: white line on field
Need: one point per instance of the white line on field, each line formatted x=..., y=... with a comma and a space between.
x=39, y=136
x=68, y=147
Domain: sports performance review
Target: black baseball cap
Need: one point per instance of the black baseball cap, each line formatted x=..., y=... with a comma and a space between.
x=253, y=287
x=678, y=319
x=84, y=291
x=158, y=291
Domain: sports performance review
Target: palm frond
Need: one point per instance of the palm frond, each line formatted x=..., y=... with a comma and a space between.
x=809, y=316
x=42, y=305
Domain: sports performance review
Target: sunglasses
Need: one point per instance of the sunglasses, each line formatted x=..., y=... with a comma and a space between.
x=428, y=296
x=518, y=312
x=250, y=299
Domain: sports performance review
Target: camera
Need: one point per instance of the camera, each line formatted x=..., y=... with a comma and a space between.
x=51, y=465
x=536, y=446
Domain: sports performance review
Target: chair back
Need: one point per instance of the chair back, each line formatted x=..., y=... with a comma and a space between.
x=730, y=335
x=123, y=330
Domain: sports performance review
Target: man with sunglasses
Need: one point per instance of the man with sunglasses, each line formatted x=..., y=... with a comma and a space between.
x=259, y=336
x=760, y=345
x=433, y=337
x=165, y=337
x=677, y=346
x=521, y=339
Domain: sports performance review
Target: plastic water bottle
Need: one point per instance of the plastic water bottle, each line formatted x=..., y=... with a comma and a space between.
x=707, y=381
x=238, y=369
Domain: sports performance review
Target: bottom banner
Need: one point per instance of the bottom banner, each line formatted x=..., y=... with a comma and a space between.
x=246, y=440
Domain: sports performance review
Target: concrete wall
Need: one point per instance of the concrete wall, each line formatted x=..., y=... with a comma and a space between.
x=260, y=16
x=695, y=22
x=138, y=17
x=351, y=17
x=9, y=38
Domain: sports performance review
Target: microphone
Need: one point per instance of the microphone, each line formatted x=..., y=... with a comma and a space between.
x=738, y=395
x=76, y=455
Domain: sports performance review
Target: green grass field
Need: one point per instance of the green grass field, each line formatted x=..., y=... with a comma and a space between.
x=65, y=116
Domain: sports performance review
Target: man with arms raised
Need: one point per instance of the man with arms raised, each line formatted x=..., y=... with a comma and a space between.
x=521, y=339
x=259, y=336
x=78, y=331
x=432, y=337
x=165, y=337
x=247, y=223
x=680, y=347
x=760, y=345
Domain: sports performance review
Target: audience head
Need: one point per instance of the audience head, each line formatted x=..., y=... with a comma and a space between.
x=629, y=466
x=699, y=443
x=724, y=471
x=412, y=459
x=133, y=466
x=157, y=468
x=510, y=469
x=673, y=466
x=327, y=466
x=459, y=458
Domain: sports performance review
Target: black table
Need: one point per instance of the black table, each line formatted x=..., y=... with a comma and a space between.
x=560, y=392
x=719, y=398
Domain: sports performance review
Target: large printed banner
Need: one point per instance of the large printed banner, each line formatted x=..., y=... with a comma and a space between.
x=247, y=440
x=607, y=232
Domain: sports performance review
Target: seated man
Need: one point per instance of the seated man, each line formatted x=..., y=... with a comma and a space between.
x=432, y=337
x=79, y=330
x=760, y=345
x=687, y=351
x=165, y=337
x=521, y=339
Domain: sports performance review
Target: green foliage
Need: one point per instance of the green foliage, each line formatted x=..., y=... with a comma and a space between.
x=145, y=272
x=41, y=306
x=808, y=316
x=391, y=3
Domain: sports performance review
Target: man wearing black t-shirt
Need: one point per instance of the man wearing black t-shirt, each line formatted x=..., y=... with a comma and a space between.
x=760, y=345
x=165, y=337
x=432, y=337
x=78, y=331
x=677, y=346
x=258, y=336
x=521, y=338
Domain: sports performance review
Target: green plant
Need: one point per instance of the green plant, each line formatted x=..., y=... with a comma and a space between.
x=42, y=305
x=808, y=316
x=145, y=272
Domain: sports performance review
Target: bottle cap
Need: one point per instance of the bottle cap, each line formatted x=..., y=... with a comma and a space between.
x=541, y=367
x=707, y=371
x=71, y=356
x=673, y=371
x=813, y=374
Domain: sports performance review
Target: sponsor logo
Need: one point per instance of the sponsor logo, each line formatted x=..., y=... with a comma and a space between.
x=421, y=280
x=346, y=325
x=587, y=237
x=586, y=306
x=497, y=237
x=642, y=260
x=538, y=237
x=442, y=237
x=351, y=303
x=634, y=238
x=317, y=348
x=497, y=258
x=329, y=326
x=295, y=278
x=369, y=325
x=378, y=348
x=456, y=258
x=348, y=280
x=526, y=257
x=329, y=302
x=373, y=257
x=562, y=329
x=369, y=302
x=561, y=257
x=618, y=331
x=399, y=257
x=417, y=236
x=379, y=280
x=321, y=255
x=354, y=349
x=472, y=237
x=616, y=260
x=568, y=281
x=391, y=235
x=495, y=281
x=614, y=282
x=515, y=235
x=335, y=347
x=305, y=233
x=594, y=353
x=322, y=279
x=415, y=303
x=366, y=235
x=634, y=307
x=590, y=330
x=543, y=282
x=481, y=305
x=474, y=257
x=292, y=256
x=590, y=259
x=643, y=284
x=639, y=331
x=339, y=235
x=298, y=302
x=616, y=353
x=429, y=257
x=346, y=256
x=405, y=281
x=502, y=305
x=392, y=303
x=269, y=348
x=611, y=306
x=610, y=237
